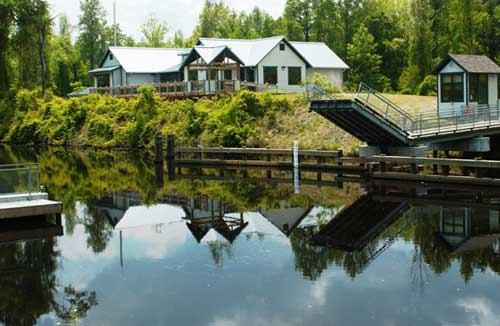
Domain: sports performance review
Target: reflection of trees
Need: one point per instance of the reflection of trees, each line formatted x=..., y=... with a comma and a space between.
x=98, y=229
x=217, y=250
x=75, y=305
x=27, y=280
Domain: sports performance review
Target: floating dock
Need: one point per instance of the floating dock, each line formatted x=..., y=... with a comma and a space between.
x=26, y=204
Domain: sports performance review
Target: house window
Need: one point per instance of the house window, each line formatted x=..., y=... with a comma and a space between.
x=452, y=88
x=214, y=75
x=228, y=74
x=193, y=75
x=282, y=46
x=111, y=56
x=294, y=75
x=271, y=75
x=102, y=80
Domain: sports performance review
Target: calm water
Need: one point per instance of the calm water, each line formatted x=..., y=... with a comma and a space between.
x=140, y=249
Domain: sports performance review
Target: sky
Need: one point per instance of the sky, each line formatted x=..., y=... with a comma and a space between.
x=179, y=15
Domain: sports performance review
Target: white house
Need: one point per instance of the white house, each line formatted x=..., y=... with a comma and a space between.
x=273, y=60
x=466, y=82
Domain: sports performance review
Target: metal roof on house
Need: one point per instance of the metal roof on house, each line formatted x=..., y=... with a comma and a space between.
x=470, y=63
x=148, y=60
x=319, y=55
x=103, y=69
x=251, y=52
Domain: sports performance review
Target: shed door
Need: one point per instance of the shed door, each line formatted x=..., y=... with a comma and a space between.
x=483, y=89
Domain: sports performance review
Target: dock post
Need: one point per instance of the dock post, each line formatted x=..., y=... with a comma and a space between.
x=434, y=166
x=318, y=174
x=170, y=147
x=341, y=153
x=269, y=172
x=159, y=148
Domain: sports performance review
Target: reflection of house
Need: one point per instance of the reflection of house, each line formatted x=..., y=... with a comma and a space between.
x=114, y=207
x=207, y=215
x=285, y=218
x=465, y=229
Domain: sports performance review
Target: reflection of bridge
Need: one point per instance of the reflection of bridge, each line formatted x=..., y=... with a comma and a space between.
x=377, y=121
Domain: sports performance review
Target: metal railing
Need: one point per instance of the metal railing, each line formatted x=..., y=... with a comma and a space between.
x=318, y=93
x=20, y=178
x=385, y=109
x=464, y=118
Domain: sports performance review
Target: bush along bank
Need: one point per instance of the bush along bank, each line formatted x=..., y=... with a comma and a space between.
x=104, y=121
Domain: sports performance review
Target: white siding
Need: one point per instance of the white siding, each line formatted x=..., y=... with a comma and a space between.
x=336, y=76
x=451, y=109
x=110, y=62
x=493, y=90
x=280, y=59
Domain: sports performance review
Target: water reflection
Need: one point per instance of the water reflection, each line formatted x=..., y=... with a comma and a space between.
x=142, y=249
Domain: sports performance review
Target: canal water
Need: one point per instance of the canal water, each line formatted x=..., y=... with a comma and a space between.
x=139, y=248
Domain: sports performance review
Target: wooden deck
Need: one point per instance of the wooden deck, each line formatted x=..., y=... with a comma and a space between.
x=191, y=89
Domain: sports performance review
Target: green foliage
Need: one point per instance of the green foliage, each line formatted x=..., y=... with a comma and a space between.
x=105, y=121
x=365, y=61
x=428, y=86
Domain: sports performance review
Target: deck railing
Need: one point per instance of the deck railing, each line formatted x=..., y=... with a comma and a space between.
x=19, y=178
x=185, y=89
x=465, y=118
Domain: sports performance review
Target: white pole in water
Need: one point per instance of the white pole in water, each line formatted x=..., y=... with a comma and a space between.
x=296, y=166
x=114, y=22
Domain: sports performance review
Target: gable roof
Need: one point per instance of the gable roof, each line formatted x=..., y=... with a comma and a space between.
x=319, y=55
x=209, y=54
x=470, y=63
x=251, y=52
x=147, y=60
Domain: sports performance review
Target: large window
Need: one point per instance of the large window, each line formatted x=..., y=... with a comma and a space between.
x=228, y=74
x=192, y=75
x=271, y=75
x=452, y=88
x=294, y=75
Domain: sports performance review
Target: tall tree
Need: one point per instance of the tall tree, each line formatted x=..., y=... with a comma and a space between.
x=154, y=32
x=299, y=19
x=6, y=19
x=364, y=61
x=33, y=30
x=92, y=39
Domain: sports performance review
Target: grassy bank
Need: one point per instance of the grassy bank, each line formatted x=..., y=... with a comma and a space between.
x=240, y=119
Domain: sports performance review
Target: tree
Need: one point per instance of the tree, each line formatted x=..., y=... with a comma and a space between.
x=92, y=24
x=364, y=61
x=6, y=18
x=154, y=32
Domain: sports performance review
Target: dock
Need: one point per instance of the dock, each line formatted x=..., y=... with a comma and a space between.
x=21, y=195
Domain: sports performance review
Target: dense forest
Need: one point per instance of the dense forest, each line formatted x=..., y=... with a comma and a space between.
x=390, y=44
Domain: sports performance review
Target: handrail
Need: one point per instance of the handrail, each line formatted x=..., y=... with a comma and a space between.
x=30, y=168
x=321, y=91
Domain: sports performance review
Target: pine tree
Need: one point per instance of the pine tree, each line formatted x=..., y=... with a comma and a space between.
x=92, y=24
x=364, y=61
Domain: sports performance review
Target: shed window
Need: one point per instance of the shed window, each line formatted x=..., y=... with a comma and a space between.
x=294, y=75
x=452, y=88
x=271, y=75
x=282, y=46
x=111, y=56
x=478, y=88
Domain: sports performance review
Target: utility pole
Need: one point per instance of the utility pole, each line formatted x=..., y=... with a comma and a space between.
x=114, y=21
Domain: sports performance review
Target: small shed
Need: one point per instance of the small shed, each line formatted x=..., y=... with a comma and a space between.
x=465, y=82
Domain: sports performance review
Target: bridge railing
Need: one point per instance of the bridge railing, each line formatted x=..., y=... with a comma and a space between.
x=318, y=93
x=385, y=109
x=470, y=117
x=19, y=178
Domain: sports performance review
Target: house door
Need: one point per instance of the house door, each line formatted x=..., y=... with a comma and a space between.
x=483, y=89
